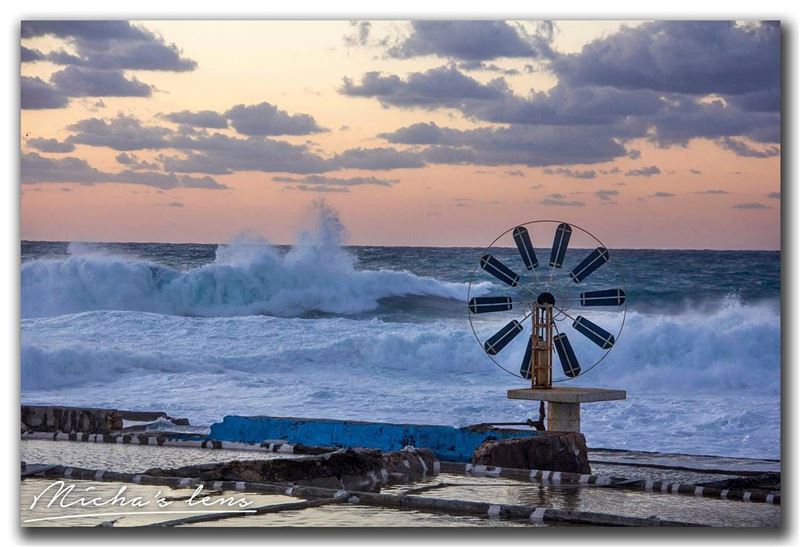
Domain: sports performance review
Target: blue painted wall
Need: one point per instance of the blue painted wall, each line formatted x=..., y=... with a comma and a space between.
x=448, y=443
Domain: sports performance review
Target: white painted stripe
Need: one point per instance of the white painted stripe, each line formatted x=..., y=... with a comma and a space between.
x=468, y=469
x=99, y=475
x=603, y=481
x=479, y=470
x=584, y=479
x=538, y=514
x=746, y=496
x=493, y=471
x=698, y=491
x=184, y=483
x=289, y=491
x=286, y=449
x=137, y=479
x=239, y=485
x=648, y=485
x=494, y=511
x=770, y=498
x=664, y=487
x=556, y=477
x=674, y=487
x=68, y=473
x=534, y=475
x=724, y=494
x=546, y=476
x=216, y=485
x=437, y=467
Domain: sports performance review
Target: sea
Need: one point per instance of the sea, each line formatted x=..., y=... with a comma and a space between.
x=322, y=329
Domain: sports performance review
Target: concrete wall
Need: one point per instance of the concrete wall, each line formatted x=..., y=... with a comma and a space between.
x=447, y=443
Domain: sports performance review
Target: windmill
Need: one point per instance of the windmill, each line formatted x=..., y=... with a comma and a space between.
x=576, y=294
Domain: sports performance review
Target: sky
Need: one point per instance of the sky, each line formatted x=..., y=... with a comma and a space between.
x=648, y=134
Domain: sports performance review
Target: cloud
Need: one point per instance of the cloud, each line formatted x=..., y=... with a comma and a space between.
x=377, y=158
x=360, y=36
x=306, y=188
x=108, y=45
x=559, y=200
x=123, y=133
x=692, y=57
x=667, y=82
x=132, y=162
x=103, y=50
x=695, y=172
x=571, y=173
x=741, y=148
x=266, y=119
x=217, y=153
x=35, y=93
x=204, y=118
x=534, y=146
x=750, y=206
x=39, y=169
x=774, y=195
x=50, y=145
x=438, y=87
x=473, y=40
x=487, y=67
x=606, y=195
x=648, y=171
x=321, y=180
x=712, y=192
x=662, y=195
x=175, y=204
x=86, y=82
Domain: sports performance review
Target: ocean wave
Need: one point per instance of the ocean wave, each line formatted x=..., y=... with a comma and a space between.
x=736, y=349
x=247, y=278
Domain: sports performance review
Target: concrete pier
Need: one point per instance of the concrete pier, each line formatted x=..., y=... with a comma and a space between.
x=564, y=403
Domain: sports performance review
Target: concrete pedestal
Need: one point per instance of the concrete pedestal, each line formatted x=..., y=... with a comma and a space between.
x=564, y=403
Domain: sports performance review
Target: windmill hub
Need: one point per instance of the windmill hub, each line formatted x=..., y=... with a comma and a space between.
x=546, y=298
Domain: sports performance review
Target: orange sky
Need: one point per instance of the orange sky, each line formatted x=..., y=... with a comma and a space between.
x=298, y=66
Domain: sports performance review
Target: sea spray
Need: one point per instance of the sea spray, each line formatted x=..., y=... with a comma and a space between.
x=247, y=278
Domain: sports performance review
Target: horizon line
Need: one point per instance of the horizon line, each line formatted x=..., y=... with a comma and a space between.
x=698, y=249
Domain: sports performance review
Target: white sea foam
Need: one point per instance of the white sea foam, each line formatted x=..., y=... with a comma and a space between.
x=426, y=372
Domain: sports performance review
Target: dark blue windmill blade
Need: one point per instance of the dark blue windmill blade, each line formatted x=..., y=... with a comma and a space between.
x=560, y=243
x=487, y=304
x=604, y=297
x=593, y=332
x=569, y=362
x=502, y=272
x=501, y=338
x=526, y=365
x=596, y=258
x=525, y=247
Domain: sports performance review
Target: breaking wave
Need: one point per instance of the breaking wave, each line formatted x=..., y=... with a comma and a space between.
x=246, y=278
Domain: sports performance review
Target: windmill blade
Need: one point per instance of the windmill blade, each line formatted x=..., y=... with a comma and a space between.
x=596, y=258
x=566, y=355
x=486, y=304
x=560, y=242
x=502, y=272
x=501, y=338
x=525, y=247
x=593, y=332
x=604, y=297
x=525, y=366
